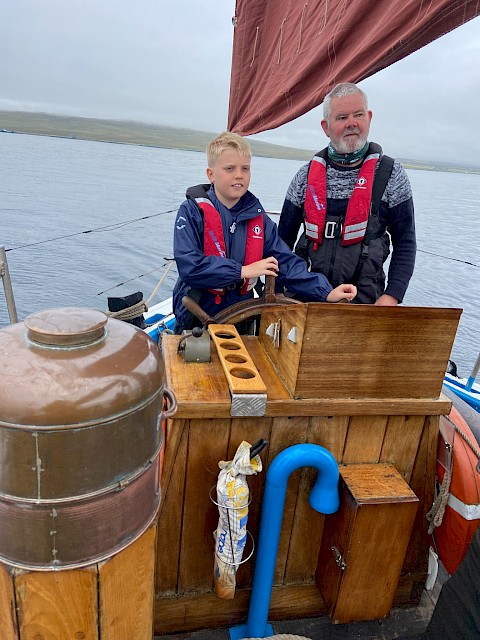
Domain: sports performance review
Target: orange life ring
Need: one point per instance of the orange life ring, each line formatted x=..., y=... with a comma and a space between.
x=462, y=512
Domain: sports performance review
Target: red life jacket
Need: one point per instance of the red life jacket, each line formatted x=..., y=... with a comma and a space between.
x=214, y=241
x=359, y=205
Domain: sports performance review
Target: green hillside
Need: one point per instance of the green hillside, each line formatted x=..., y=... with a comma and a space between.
x=151, y=135
x=129, y=132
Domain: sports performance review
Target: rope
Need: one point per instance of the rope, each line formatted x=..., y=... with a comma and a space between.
x=137, y=309
x=472, y=446
x=129, y=313
x=435, y=515
x=160, y=282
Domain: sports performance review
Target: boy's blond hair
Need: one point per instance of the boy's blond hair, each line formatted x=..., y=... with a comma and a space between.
x=224, y=141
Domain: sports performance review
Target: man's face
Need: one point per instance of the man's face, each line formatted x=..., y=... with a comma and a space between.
x=231, y=176
x=349, y=123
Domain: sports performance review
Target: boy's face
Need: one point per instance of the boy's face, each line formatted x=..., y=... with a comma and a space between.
x=231, y=176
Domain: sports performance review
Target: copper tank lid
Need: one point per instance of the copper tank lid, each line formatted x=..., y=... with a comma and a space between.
x=72, y=366
x=69, y=327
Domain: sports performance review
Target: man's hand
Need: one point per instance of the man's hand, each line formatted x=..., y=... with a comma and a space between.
x=265, y=267
x=386, y=301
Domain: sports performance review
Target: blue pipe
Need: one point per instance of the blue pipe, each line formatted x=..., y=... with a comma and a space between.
x=323, y=498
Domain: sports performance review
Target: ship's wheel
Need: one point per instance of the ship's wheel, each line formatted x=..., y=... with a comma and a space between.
x=241, y=311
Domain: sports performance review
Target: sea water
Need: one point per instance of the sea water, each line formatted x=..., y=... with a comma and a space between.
x=85, y=220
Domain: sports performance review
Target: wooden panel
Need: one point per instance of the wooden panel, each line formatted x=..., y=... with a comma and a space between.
x=366, y=407
x=401, y=442
x=307, y=529
x=8, y=616
x=206, y=611
x=57, y=604
x=364, y=429
x=422, y=483
x=307, y=526
x=275, y=385
x=126, y=587
x=195, y=382
x=364, y=439
x=330, y=432
x=369, y=587
x=242, y=375
x=207, y=445
x=202, y=391
x=365, y=351
x=171, y=508
x=371, y=531
x=376, y=483
x=285, y=359
x=286, y=432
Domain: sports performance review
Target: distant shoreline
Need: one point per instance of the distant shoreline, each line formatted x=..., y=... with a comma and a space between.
x=148, y=135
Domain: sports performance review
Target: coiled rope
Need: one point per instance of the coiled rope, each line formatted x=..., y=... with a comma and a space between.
x=138, y=308
x=135, y=311
x=436, y=513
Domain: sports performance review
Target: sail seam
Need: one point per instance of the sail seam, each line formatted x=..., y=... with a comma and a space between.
x=280, y=41
x=255, y=46
x=301, y=26
x=325, y=18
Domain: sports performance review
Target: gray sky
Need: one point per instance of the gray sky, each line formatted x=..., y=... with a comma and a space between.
x=168, y=62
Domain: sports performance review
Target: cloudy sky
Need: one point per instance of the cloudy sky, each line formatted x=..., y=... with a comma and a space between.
x=168, y=62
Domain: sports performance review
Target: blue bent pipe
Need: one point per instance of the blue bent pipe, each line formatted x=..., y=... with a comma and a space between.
x=323, y=498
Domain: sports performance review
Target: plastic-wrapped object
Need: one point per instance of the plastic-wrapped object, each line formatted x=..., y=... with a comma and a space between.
x=232, y=501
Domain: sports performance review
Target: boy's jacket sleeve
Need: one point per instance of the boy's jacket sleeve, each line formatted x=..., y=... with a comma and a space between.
x=195, y=268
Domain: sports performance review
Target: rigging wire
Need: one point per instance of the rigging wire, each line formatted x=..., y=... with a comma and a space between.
x=142, y=275
x=119, y=225
x=107, y=227
x=439, y=255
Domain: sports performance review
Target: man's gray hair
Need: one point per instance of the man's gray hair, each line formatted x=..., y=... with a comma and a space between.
x=341, y=91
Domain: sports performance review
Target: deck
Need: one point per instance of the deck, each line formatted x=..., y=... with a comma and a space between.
x=403, y=623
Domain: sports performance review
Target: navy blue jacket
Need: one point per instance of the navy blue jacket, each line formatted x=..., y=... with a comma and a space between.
x=200, y=272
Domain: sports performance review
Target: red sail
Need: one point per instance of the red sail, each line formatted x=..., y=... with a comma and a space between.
x=288, y=55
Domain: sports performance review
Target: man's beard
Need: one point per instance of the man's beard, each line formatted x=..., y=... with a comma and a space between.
x=350, y=145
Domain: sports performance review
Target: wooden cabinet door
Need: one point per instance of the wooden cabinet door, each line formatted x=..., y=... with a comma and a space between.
x=364, y=543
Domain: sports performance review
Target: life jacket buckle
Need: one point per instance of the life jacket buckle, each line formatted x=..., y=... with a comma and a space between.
x=333, y=229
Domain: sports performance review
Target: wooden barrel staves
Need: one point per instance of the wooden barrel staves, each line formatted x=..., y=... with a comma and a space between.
x=81, y=411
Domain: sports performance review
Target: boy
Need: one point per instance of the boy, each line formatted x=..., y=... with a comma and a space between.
x=224, y=240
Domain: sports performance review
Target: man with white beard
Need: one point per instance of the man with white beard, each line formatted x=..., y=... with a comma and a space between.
x=353, y=200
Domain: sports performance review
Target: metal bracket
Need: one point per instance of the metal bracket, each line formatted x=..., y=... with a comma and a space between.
x=273, y=330
x=338, y=558
x=248, y=404
x=292, y=335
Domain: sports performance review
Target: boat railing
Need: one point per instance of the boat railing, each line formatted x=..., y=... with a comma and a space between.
x=7, y=286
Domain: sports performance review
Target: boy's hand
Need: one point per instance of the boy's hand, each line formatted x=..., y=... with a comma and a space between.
x=342, y=293
x=265, y=267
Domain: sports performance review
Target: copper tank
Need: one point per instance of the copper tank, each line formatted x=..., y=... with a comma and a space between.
x=82, y=401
